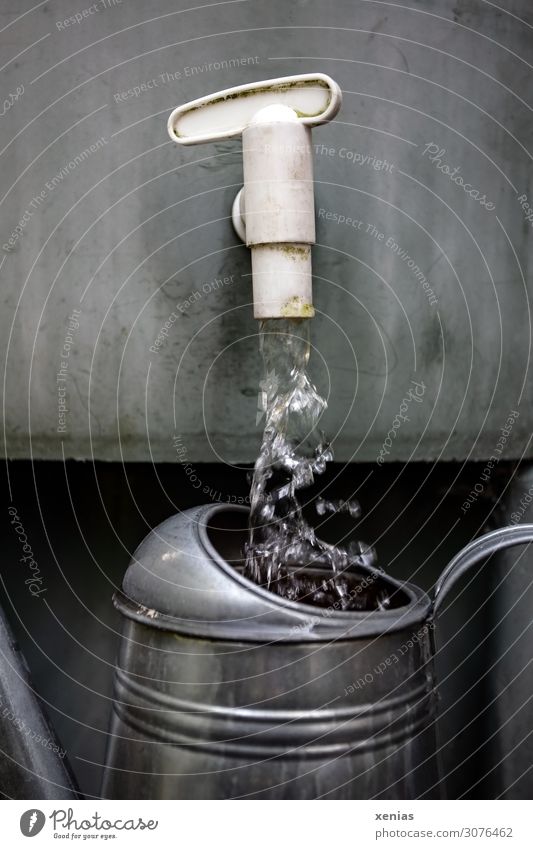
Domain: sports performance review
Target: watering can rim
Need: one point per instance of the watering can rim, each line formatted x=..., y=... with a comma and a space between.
x=250, y=613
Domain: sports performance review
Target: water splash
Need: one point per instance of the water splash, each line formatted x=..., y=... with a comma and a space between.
x=283, y=552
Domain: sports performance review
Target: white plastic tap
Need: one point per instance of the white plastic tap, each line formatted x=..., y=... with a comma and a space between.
x=274, y=212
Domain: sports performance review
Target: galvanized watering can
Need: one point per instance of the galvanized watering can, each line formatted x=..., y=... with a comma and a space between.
x=226, y=690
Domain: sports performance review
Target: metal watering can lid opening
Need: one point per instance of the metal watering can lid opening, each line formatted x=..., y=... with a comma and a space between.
x=225, y=535
x=186, y=577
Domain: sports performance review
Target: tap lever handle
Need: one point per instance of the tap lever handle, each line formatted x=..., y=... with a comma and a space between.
x=315, y=98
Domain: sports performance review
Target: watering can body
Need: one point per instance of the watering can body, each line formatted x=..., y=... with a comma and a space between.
x=225, y=690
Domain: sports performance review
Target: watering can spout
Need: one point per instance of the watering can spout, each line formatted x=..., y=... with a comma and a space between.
x=222, y=686
x=274, y=212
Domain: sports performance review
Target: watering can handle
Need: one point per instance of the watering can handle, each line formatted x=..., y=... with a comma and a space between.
x=314, y=99
x=477, y=550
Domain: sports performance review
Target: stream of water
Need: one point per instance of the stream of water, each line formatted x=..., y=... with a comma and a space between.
x=283, y=552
